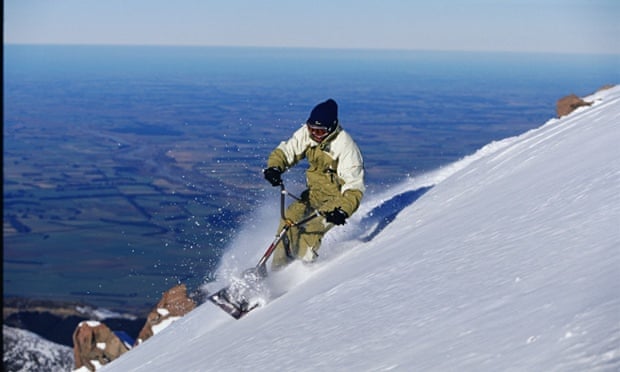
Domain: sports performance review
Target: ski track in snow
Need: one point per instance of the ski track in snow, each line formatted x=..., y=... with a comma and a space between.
x=507, y=260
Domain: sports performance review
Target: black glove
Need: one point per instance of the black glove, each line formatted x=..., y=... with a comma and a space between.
x=337, y=216
x=273, y=175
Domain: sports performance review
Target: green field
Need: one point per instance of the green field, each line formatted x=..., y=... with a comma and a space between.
x=115, y=217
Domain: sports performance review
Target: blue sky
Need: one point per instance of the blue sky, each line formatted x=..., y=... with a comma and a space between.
x=574, y=26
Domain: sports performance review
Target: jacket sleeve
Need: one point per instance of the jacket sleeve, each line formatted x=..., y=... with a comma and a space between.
x=349, y=201
x=290, y=152
x=351, y=172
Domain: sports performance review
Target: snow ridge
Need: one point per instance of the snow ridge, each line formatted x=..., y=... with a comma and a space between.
x=26, y=351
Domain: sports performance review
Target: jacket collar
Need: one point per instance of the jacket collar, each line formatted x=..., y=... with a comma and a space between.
x=325, y=143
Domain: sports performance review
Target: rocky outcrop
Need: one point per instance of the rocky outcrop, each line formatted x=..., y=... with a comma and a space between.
x=568, y=104
x=94, y=345
x=174, y=304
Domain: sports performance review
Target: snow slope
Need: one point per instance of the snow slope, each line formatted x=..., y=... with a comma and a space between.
x=505, y=261
x=24, y=351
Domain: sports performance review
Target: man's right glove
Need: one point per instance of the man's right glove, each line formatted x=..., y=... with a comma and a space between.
x=273, y=175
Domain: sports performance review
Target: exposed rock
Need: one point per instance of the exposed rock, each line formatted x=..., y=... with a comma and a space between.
x=605, y=87
x=568, y=104
x=94, y=345
x=174, y=304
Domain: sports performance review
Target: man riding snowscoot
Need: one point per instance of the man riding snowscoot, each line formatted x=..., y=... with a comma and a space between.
x=335, y=186
x=334, y=180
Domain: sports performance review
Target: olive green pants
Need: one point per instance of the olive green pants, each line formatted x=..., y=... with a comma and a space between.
x=304, y=241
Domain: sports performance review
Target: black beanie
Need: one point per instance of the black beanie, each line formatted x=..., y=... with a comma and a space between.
x=325, y=115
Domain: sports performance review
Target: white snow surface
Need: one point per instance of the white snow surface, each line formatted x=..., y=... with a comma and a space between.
x=25, y=351
x=510, y=262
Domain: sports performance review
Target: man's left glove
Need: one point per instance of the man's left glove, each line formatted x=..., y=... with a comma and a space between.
x=337, y=216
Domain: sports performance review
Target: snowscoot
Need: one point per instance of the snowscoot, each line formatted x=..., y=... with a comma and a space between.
x=235, y=298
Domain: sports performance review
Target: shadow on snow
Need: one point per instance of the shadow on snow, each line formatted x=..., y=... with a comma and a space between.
x=381, y=216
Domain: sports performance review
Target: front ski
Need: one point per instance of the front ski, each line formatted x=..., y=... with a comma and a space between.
x=236, y=298
x=234, y=308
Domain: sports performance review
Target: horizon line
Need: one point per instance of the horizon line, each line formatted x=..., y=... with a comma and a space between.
x=284, y=47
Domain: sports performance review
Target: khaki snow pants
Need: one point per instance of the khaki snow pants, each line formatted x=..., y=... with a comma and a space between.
x=305, y=240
